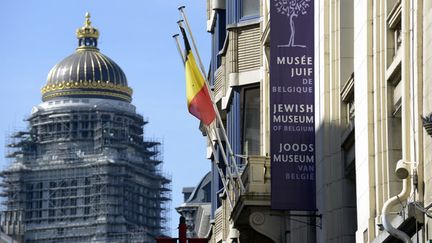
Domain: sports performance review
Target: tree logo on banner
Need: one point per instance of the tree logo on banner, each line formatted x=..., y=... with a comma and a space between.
x=292, y=9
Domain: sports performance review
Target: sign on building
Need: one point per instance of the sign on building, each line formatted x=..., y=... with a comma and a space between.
x=292, y=105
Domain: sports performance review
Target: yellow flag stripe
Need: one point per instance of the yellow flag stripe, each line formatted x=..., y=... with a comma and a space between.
x=194, y=79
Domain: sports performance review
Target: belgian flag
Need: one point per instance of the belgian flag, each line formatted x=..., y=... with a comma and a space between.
x=198, y=99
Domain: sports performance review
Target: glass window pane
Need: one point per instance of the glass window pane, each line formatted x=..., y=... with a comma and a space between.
x=250, y=8
x=251, y=121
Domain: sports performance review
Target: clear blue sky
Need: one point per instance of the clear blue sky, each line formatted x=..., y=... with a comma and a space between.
x=36, y=34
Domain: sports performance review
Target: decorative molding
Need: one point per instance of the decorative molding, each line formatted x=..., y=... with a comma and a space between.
x=265, y=223
x=86, y=88
x=98, y=93
x=86, y=85
x=257, y=218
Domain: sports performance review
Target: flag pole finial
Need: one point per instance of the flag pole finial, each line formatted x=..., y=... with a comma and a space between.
x=87, y=21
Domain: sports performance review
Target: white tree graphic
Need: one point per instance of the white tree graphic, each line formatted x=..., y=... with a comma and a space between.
x=292, y=9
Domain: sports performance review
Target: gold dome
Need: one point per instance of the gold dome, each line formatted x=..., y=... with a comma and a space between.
x=87, y=72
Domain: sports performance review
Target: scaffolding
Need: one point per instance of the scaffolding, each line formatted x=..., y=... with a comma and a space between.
x=84, y=175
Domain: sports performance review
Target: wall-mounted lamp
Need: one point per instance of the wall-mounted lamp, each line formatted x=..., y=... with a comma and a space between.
x=402, y=169
x=427, y=123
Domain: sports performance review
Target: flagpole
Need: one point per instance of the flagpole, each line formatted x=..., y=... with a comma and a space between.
x=182, y=56
x=179, y=23
x=219, y=141
x=183, y=14
x=223, y=152
x=225, y=159
x=223, y=178
x=219, y=169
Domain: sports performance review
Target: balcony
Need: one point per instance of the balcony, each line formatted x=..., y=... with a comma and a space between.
x=256, y=179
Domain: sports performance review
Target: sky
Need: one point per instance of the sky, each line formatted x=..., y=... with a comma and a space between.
x=136, y=34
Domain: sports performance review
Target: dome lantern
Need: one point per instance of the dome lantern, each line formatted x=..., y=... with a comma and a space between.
x=87, y=35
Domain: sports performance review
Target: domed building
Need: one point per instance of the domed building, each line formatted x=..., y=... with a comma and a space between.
x=83, y=171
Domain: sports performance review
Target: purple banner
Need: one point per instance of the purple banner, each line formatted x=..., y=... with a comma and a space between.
x=292, y=105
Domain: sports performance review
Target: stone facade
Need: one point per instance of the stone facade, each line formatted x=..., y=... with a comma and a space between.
x=372, y=88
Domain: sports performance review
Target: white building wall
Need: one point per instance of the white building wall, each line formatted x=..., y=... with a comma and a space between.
x=363, y=89
x=427, y=107
x=384, y=131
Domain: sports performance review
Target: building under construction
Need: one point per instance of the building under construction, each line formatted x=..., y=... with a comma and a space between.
x=82, y=171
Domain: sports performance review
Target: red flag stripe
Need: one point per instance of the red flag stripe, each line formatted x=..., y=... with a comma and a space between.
x=201, y=107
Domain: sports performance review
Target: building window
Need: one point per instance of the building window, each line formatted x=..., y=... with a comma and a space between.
x=395, y=89
x=394, y=123
x=249, y=8
x=394, y=25
x=251, y=121
x=348, y=135
x=347, y=95
x=207, y=193
x=348, y=149
x=397, y=33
